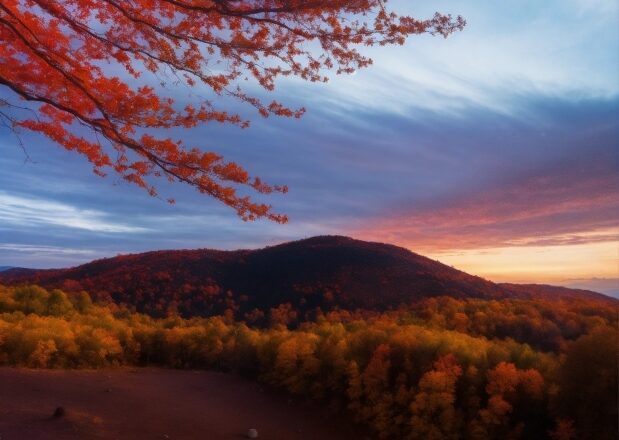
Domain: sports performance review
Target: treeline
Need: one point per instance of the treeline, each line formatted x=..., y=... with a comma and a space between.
x=545, y=324
x=410, y=374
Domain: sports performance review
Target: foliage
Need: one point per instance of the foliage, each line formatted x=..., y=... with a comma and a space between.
x=596, y=406
x=404, y=379
x=298, y=281
x=54, y=55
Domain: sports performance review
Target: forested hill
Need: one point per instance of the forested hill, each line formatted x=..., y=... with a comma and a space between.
x=326, y=272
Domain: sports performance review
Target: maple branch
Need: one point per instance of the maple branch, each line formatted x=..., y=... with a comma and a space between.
x=53, y=54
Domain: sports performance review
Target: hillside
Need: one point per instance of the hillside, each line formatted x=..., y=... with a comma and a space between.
x=327, y=272
x=384, y=370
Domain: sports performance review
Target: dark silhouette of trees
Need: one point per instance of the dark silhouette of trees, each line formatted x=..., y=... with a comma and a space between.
x=588, y=384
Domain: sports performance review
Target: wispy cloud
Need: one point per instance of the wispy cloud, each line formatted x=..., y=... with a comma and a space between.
x=45, y=256
x=32, y=211
x=452, y=147
x=40, y=249
x=549, y=210
x=558, y=48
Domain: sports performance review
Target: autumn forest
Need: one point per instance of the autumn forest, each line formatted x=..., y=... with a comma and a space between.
x=465, y=358
x=180, y=181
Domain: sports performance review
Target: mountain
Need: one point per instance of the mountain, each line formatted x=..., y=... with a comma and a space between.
x=330, y=272
x=3, y=268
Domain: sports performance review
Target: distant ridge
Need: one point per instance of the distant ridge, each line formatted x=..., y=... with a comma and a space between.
x=326, y=272
x=6, y=270
x=547, y=291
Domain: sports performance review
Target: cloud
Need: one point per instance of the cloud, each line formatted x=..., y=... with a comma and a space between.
x=497, y=136
x=41, y=249
x=45, y=256
x=565, y=208
x=36, y=212
x=555, y=48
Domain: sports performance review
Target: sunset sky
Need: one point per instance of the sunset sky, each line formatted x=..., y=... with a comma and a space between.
x=495, y=151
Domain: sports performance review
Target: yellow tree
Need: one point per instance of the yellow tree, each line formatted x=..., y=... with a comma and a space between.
x=434, y=414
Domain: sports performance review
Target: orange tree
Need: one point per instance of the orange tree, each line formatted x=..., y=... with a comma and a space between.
x=61, y=56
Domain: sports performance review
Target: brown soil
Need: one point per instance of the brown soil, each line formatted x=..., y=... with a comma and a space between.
x=148, y=403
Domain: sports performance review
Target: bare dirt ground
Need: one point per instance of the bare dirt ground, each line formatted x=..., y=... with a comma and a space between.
x=149, y=403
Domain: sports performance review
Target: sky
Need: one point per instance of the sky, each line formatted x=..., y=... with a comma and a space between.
x=495, y=151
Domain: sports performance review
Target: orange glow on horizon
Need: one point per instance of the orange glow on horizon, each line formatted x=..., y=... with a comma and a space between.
x=537, y=264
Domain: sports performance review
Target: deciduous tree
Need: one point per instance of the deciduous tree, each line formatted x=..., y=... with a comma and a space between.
x=434, y=413
x=88, y=72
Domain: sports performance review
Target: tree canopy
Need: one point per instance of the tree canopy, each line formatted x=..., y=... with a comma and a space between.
x=85, y=67
x=403, y=374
